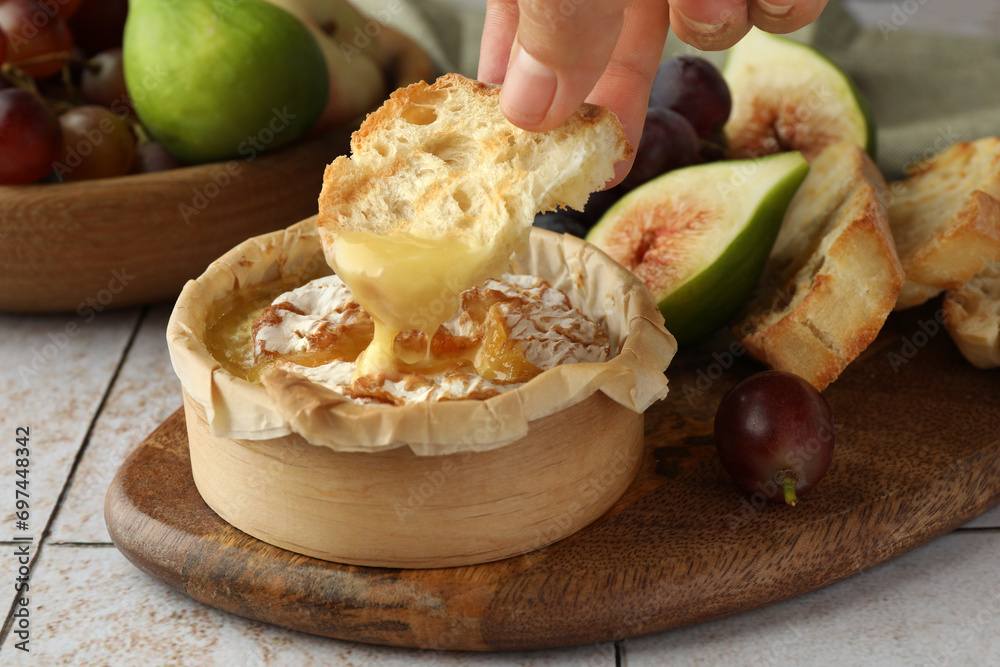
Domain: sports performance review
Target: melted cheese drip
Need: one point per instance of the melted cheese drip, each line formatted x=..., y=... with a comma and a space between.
x=405, y=283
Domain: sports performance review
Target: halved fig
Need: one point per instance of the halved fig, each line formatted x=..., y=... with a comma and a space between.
x=788, y=96
x=698, y=237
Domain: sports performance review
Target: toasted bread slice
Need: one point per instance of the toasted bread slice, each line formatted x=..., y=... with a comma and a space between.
x=441, y=160
x=833, y=275
x=945, y=219
x=972, y=317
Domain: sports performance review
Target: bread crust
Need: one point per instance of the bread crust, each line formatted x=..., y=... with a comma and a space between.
x=972, y=317
x=833, y=276
x=945, y=219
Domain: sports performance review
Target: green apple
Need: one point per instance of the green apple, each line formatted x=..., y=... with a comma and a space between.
x=699, y=237
x=219, y=79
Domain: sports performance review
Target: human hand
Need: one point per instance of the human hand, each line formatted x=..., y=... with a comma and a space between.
x=552, y=55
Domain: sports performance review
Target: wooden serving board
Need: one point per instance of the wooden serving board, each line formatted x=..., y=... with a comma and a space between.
x=918, y=454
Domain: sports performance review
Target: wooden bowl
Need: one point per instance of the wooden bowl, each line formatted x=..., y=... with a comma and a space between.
x=117, y=242
x=412, y=500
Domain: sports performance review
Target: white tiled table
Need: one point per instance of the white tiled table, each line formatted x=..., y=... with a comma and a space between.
x=112, y=384
x=90, y=398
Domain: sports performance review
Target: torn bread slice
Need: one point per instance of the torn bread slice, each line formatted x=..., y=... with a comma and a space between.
x=833, y=275
x=440, y=161
x=972, y=317
x=945, y=219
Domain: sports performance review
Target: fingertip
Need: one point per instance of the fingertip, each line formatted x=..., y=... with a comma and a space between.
x=784, y=16
x=621, y=171
x=528, y=91
x=708, y=37
x=710, y=25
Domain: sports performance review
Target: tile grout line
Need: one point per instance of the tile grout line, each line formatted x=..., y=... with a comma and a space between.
x=977, y=529
x=93, y=424
x=8, y=620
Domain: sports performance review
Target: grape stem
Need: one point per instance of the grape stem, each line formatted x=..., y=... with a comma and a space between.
x=140, y=132
x=67, y=79
x=48, y=57
x=790, y=497
x=787, y=480
x=708, y=143
x=19, y=78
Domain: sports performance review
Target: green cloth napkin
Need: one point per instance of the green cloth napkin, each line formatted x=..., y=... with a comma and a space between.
x=926, y=90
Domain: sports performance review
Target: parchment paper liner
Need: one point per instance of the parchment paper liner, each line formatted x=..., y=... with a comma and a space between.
x=237, y=409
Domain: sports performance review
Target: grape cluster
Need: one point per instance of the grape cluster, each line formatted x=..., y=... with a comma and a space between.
x=688, y=106
x=65, y=114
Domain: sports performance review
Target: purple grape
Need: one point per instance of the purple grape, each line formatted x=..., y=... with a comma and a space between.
x=774, y=433
x=694, y=88
x=599, y=203
x=30, y=138
x=152, y=156
x=668, y=142
x=562, y=222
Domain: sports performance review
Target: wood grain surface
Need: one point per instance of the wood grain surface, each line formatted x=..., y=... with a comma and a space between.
x=918, y=454
x=137, y=239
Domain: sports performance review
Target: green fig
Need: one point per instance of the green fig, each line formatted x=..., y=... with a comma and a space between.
x=219, y=79
x=699, y=237
x=788, y=96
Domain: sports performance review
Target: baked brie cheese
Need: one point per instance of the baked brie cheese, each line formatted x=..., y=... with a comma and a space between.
x=442, y=291
x=504, y=333
x=451, y=343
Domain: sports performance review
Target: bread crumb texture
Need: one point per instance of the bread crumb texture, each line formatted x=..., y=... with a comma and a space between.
x=441, y=160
